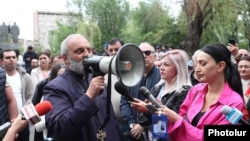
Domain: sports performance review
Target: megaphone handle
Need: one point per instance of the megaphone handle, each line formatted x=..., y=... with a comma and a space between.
x=94, y=74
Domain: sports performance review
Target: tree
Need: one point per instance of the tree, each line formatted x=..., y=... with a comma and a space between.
x=58, y=35
x=224, y=23
x=110, y=16
x=131, y=32
x=89, y=31
x=219, y=20
x=148, y=15
x=171, y=32
x=196, y=11
x=246, y=21
x=201, y=22
x=155, y=25
x=92, y=32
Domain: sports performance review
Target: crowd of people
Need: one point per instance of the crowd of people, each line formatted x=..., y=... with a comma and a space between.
x=191, y=92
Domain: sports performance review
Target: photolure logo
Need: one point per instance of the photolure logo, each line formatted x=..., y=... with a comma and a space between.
x=241, y=132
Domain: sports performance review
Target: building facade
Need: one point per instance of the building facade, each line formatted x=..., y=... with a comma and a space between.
x=44, y=22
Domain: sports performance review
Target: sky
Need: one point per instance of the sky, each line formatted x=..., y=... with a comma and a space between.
x=21, y=12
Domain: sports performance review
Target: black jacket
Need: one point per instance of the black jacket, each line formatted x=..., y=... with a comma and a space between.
x=171, y=100
x=39, y=91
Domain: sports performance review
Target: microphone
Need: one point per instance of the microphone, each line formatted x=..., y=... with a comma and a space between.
x=4, y=128
x=42, y=109
x=32, y=113
x=149, y=96
x=123, y=90
x=233, y=115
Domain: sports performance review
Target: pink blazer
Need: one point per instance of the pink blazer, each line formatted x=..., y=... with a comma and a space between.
x=182, y=130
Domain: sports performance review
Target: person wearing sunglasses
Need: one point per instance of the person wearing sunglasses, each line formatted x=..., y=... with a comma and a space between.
x=133, y=130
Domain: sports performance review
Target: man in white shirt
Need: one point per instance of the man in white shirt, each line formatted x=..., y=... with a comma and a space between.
x=21, y=83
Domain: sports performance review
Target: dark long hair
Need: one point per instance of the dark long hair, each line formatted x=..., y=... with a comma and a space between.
x=55, y=69
x=219, y=52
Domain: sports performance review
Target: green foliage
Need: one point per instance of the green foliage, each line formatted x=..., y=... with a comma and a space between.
x=92, y=33
x=156, y=26
x=224, y=23
x=220, y=21
x=38, y=47
x=110, y=16
x=101, y=20
x=89, y=31
x=57, y=36
x=245, y=13
x=76, y=6
x=21, y=50
x=148, y=15
x=131, y=33
x=170, y=33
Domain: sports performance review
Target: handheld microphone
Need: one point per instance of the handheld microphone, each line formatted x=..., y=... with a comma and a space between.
x=233, y=115
x=4, y=128
x=42, y=109
x=32, y=113
x=149, y=96
x=123, y=91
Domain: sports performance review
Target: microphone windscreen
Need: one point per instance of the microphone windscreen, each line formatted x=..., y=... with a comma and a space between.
x=226, y=109
x=120, y=88
x=144, y=91
x=43, y=108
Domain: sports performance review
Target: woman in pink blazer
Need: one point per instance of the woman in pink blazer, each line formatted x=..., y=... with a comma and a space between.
x=220, y=85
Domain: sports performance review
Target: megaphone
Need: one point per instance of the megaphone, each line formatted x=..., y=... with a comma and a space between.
x=128, y=65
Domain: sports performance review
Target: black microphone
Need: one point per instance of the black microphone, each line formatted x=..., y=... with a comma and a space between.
x=123, y=90
x=233, y=115
x=149, y=96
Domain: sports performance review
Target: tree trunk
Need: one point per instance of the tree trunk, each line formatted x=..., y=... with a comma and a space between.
x=194, y=25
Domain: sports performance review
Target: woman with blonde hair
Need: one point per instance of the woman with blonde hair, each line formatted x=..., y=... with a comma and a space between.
x=173, y=86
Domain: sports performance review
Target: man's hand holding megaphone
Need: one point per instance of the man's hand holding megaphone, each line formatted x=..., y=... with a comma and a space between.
x=96, y=86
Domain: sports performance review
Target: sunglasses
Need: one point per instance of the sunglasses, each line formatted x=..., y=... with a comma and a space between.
x=147, y=52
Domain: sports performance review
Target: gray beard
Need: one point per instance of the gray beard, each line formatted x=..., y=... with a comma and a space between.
x=76, y=66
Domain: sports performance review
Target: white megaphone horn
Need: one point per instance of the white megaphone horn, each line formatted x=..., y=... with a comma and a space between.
x=128, y=65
